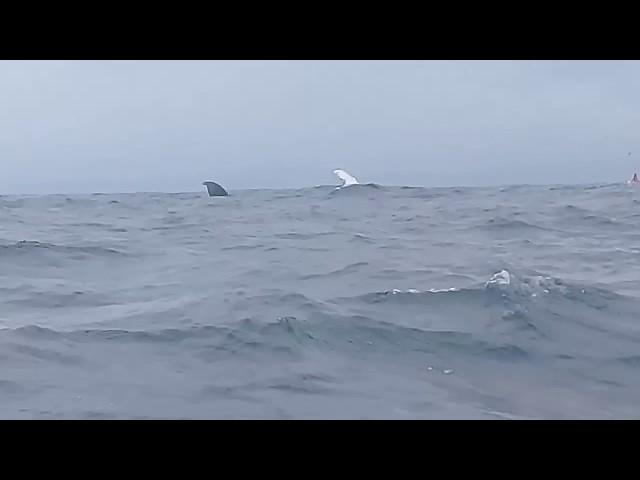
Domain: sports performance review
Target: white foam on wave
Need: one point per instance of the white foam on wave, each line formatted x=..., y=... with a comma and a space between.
x=503, y=277
x=395, y=291
x=442, y=290
x=535, y=286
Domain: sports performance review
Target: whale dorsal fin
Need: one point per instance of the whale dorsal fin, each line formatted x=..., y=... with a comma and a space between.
x=215, y=190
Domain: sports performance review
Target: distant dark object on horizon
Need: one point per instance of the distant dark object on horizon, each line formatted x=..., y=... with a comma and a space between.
x=215, y=190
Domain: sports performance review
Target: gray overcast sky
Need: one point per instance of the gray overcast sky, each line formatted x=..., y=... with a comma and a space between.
x=117, y=126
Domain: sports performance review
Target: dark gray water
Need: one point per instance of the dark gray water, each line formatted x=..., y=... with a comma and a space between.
x=367, y=302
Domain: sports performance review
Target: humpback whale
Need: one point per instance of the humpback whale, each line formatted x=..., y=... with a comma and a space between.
x=346, y=178
x=215, y=190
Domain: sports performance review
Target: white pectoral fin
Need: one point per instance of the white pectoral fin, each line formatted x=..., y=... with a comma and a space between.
x=346, y=178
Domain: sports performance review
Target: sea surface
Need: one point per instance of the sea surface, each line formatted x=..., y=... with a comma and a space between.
x=369, y=302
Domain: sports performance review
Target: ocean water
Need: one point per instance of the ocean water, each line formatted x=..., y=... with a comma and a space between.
x=367, y=302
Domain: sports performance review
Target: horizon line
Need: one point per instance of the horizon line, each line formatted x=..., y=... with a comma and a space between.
x=312, y=187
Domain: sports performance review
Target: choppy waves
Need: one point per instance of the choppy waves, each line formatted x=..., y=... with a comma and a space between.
x=29, y=247
x=363, y=302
